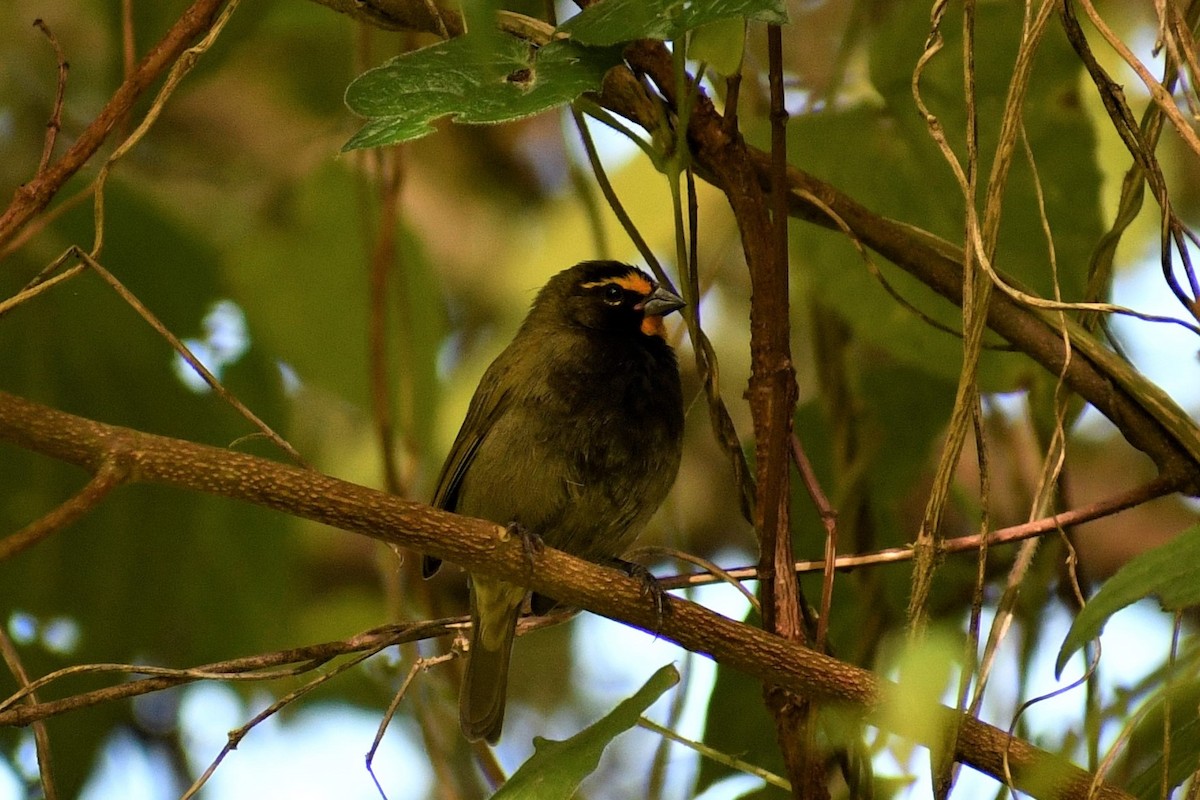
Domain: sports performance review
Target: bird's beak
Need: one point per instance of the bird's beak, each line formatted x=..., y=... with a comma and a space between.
x=661, y=302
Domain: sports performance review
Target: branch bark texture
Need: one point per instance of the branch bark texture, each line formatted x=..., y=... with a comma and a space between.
x=1148, y=419
x=486, y=548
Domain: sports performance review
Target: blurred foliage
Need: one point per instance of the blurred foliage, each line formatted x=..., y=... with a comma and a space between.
x=556, y=768
x=241, y=193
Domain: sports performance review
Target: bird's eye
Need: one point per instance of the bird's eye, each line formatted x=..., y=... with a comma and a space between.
x=613, y=295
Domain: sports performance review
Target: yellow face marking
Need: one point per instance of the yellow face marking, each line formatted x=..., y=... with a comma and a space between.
x=653, y=326
x=633, y=281
x=638, y=283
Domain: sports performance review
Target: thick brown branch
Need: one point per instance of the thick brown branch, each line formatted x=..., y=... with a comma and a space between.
x=938, y=264
x=772, y=394
x=1146, y=422
x=34, y=196
x=486, y=548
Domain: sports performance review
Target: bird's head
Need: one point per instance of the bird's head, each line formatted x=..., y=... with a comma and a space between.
x=609, y=296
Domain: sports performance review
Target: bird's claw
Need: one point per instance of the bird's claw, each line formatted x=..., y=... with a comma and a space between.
x=650, y=587
x=531, y=543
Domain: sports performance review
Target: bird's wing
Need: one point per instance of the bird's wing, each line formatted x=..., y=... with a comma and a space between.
x=487, y=405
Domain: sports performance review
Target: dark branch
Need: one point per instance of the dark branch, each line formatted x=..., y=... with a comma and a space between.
x=482, y=547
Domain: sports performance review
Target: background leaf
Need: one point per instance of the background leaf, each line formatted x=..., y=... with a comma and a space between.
x=1167, y=572
x=239, y=195
x=557, y=768
x=614, y=21
x=880, y=141
x=498, y=80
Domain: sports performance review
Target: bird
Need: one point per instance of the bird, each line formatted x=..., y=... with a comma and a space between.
x=573, y=437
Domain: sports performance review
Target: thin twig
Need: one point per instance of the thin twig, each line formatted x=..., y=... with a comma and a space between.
x=128, y=40
x=44, y=220
x=1052, y=463
x=250, y=668
x=1162, y=98
x=36, y=194
x=980, y=237
x=614, y=202
x=708, y=367
x=828, y=515
x=1015, y=533
x=702, y=563
x=111, y=474
x=733, y=762
x=131, y=299
x=44, y=281
x=179, y=70
x=706, y=359
x=1168, y=689
x=1140, y=143
x=419, y=665
x=41, y=737
x=1025, y=706
x=262, y=667
x=60, y=93
x=383, y=263
x=237, y=735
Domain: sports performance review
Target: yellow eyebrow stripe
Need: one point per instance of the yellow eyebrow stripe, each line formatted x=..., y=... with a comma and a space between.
x=633, y=282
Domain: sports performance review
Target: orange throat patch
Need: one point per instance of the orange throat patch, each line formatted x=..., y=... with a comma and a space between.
x=653, y=326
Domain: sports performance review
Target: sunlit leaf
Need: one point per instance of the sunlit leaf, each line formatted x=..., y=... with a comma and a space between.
x=497, y=80
x=1167, y=572
x=720, y=45
x=556, y=768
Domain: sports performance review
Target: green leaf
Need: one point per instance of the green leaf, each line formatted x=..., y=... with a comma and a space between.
x=1146, y=742
x=880, y=151
x=150, y=575
x=738, y=722
x=1168, y=572
x=556, y=768
x=1145, y=751
x=720, y=45
x=477, y=82
x=615, y=21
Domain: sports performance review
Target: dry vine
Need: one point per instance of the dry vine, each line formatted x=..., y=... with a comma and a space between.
x=763, y=191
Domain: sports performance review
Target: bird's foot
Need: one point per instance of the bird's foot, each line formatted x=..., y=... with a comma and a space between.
x=650, y=587
x=531, y=543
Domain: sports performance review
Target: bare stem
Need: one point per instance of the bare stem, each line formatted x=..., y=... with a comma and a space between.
x=41, y=737
x=110, y=475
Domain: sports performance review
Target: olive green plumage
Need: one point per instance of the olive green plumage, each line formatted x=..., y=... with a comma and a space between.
x=574, y=434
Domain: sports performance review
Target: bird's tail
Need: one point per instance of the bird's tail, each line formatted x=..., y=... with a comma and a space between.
x=495, y=606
